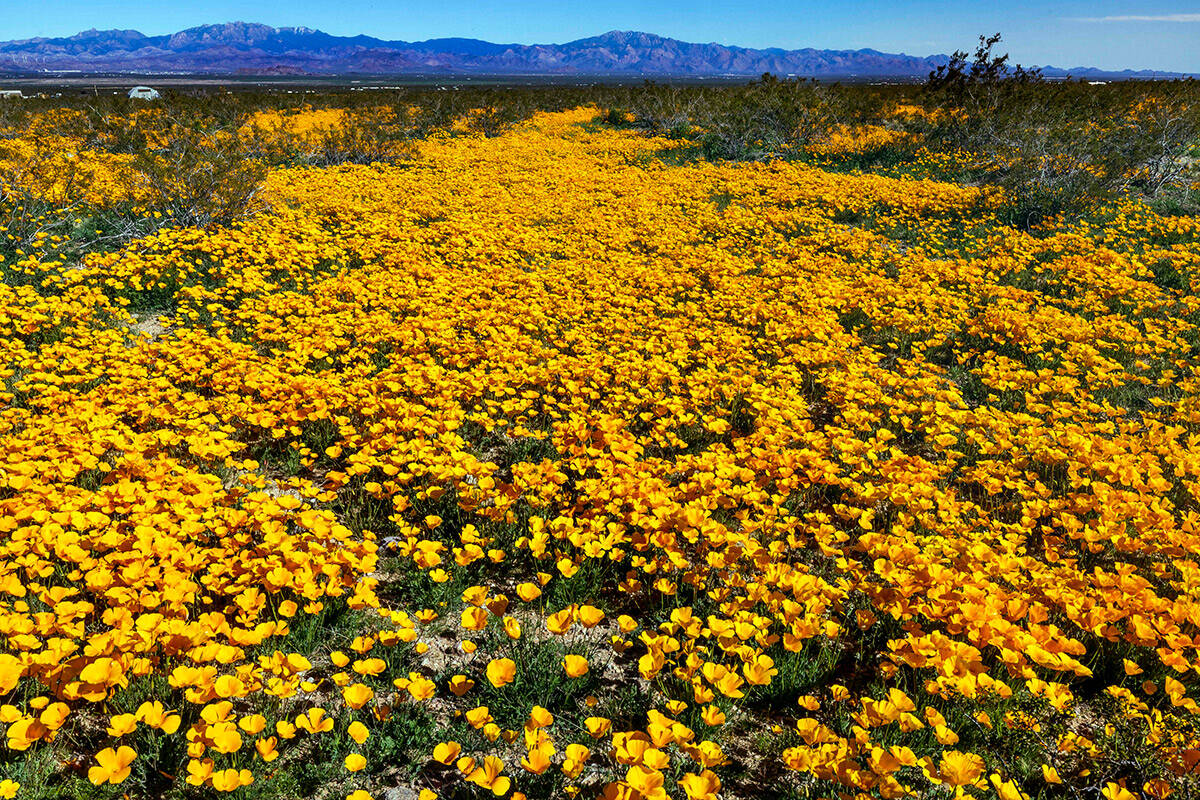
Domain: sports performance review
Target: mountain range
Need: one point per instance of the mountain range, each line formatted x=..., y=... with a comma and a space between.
x=249, y=48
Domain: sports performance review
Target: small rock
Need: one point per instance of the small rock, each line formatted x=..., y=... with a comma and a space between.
x=149, y=327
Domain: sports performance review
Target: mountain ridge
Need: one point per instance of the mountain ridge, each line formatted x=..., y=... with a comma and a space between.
x=249, y=48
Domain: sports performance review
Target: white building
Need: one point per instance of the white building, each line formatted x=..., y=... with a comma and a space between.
x=11, y=93
x=143, y=93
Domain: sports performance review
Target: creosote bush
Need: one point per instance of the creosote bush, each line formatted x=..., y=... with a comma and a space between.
x=201, y=177
x=1055, y=148
x=1063, y=147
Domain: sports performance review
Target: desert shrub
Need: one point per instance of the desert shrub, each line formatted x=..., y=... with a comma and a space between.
x=360, y=139
x=966, y=83
x=1056, y=148
x=1164, y=129
x=767, y=118
x=202, y=177
x=1066, y=149
x=771, y=117
x=665, y=110
x=1061, y=148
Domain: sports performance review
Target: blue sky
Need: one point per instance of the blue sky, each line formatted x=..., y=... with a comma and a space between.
x=1111, y=35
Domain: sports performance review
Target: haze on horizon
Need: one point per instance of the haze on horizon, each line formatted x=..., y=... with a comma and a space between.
x=1107, y=35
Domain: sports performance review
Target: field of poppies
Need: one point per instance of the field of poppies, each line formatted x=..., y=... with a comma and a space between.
x=560, y=462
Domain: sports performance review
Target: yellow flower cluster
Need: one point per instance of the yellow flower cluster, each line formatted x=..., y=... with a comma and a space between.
x=59, y=170
x=838, y=460
x=305, y=124
x=846, y=139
